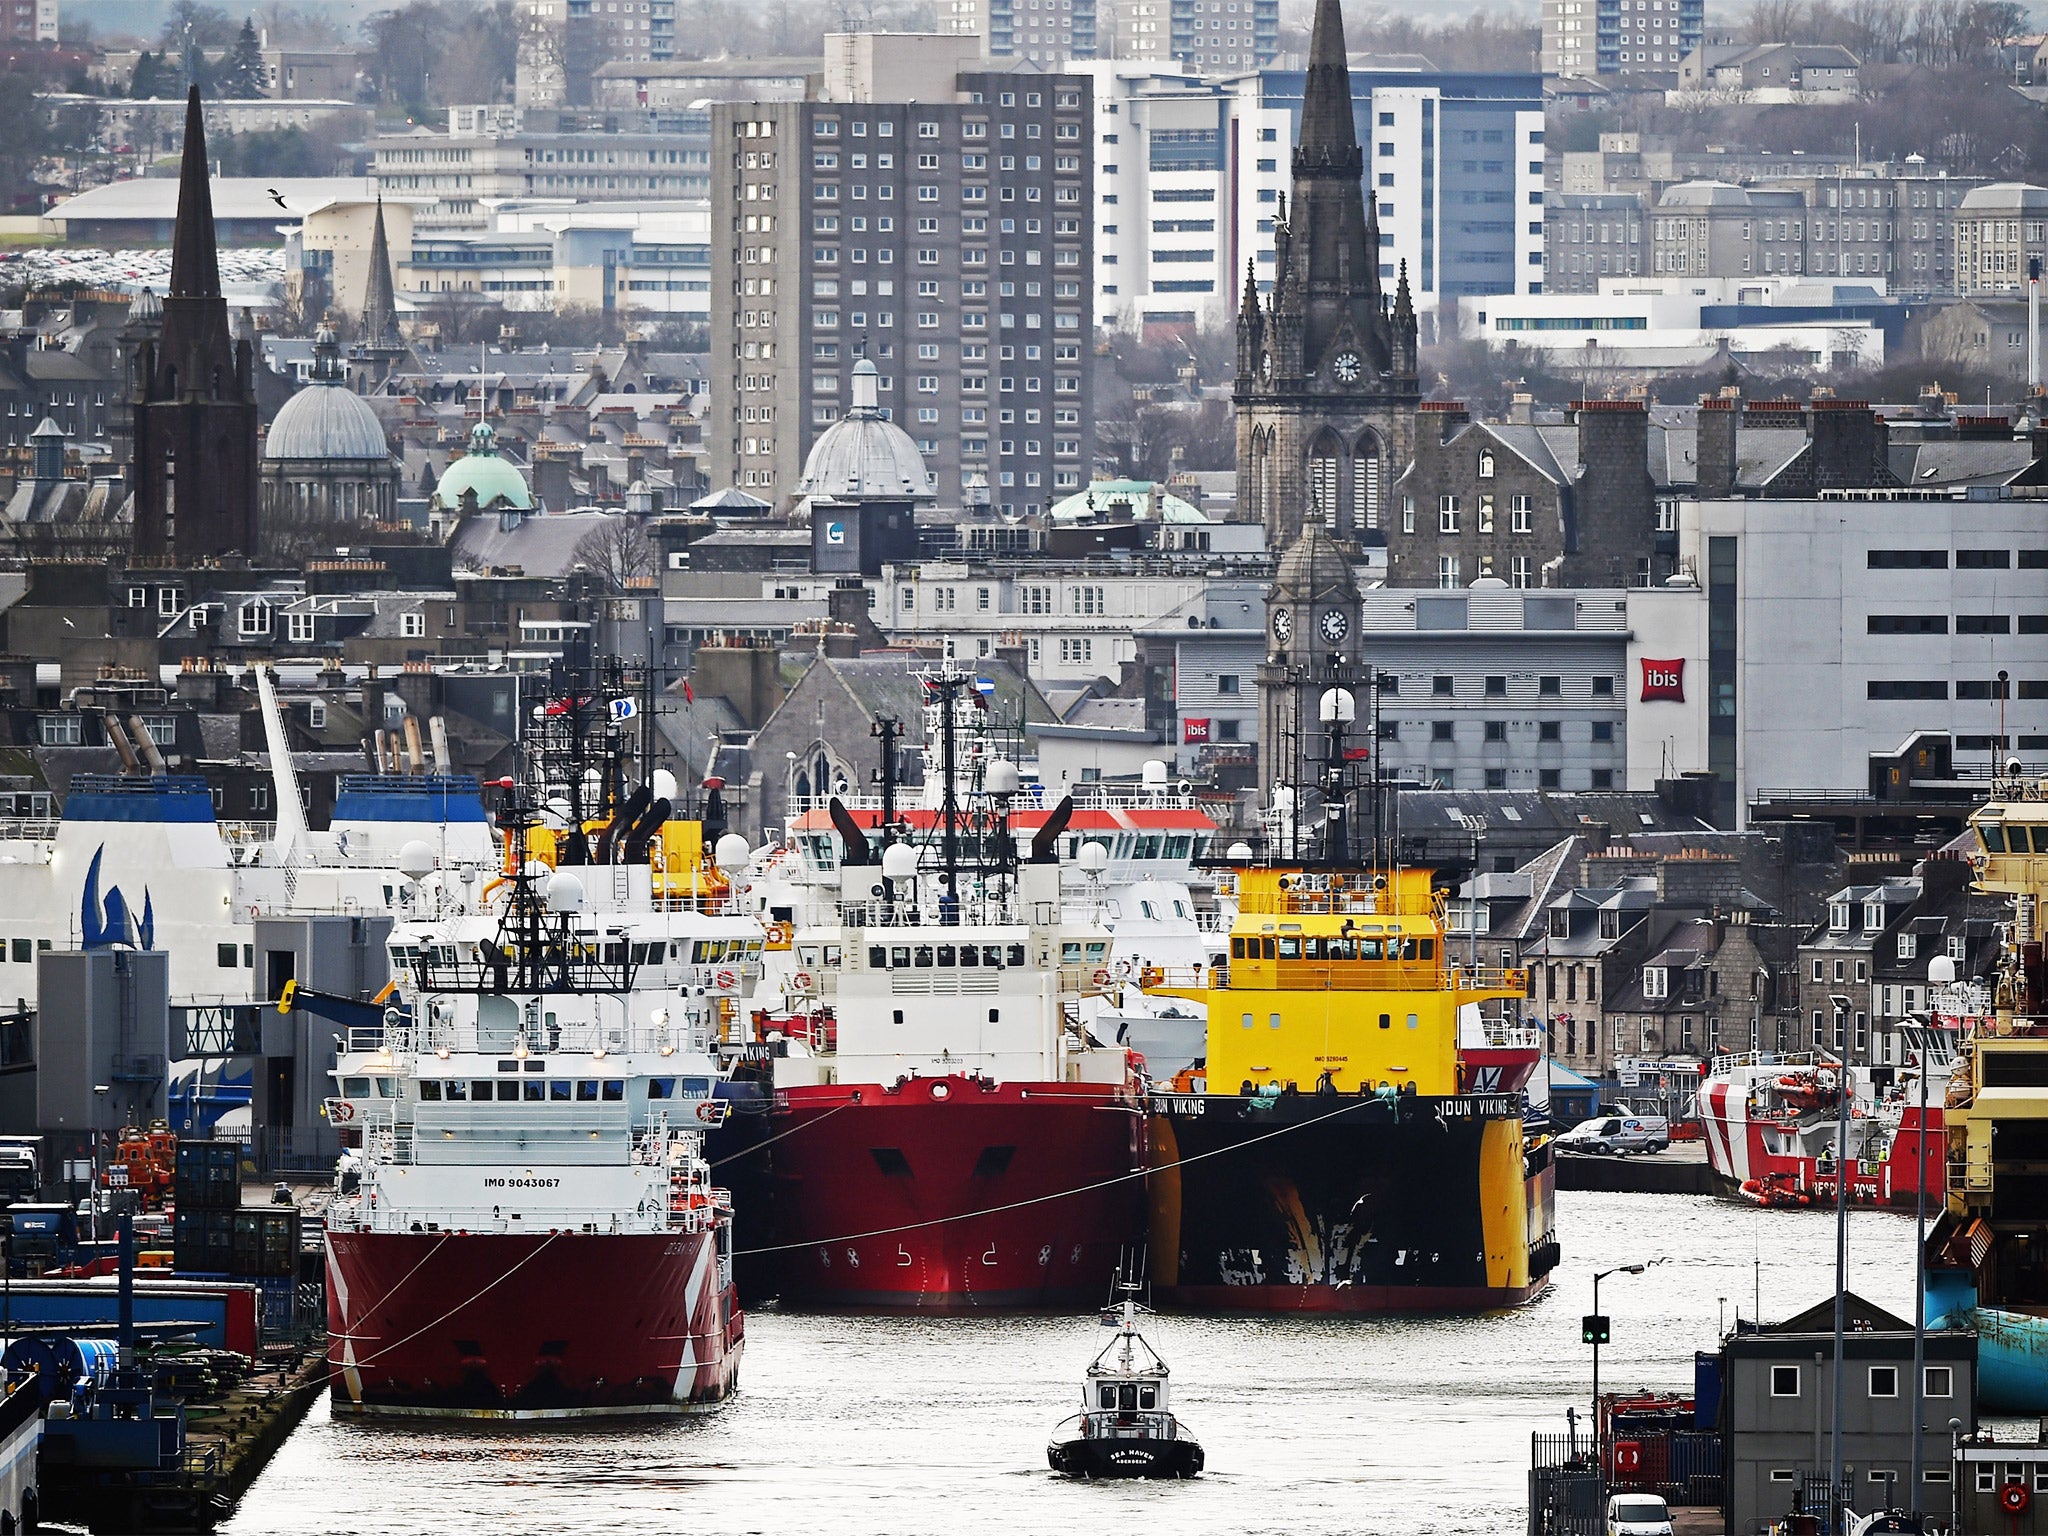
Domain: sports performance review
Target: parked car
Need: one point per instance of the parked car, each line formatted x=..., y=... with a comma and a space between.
x=1617, y=1135
x=1637, y=1514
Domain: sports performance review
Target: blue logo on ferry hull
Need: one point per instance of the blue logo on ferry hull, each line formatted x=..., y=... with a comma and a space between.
x=108, y=923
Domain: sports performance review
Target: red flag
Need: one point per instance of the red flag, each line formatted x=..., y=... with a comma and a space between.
x=688, y=692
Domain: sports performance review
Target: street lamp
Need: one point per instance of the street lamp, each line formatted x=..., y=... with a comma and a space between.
x=1596, y=1334
x=92, y=1190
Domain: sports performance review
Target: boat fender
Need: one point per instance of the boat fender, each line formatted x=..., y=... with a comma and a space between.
x=2014, y=1498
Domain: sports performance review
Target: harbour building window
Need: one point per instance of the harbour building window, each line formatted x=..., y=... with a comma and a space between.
x=1784, y=1381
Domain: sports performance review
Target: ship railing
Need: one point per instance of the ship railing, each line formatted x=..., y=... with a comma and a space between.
x=1729, y=1061
x=595, y=1038
x=493, y=1219
x=1503, y=1035
x=1364, y=976
x=907, y=914
x=27, y=829
x=1350, y=901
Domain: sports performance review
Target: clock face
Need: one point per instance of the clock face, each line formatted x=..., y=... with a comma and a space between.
x=1335, y=626
x=1283, y=625
x=1347, y=367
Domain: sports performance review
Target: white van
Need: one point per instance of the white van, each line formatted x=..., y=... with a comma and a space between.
x=1637, y=1514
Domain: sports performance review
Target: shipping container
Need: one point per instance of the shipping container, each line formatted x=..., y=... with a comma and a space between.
x=203, y=1241
x=266, y=1240
x=209, y=1175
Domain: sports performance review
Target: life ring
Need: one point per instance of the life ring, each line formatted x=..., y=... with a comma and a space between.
x=779, y=935
x=2014, y=1498
x=1628, y=1456
x=1101, y=978
x=343, y=1110
x=709, y=1113
x=801, y=981
x=724, y=980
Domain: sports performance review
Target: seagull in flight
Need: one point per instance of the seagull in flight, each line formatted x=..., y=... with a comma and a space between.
x=277, y=199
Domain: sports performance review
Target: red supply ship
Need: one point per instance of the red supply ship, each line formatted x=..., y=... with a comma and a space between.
x=947, y=1134
x=526, y=1226
x=1770, y=1123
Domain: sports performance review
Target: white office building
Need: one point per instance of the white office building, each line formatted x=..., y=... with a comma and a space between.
x=1652, y=322
x=1191, y=173
x=1822, y=634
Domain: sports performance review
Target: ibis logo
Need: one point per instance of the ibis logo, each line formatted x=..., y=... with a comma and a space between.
x=1663, y=680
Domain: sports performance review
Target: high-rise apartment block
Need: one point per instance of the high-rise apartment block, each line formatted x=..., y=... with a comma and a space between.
x=562, y=42
x=1214, y=36
x=1610, y=37
x=28, y=21
x=949, y=239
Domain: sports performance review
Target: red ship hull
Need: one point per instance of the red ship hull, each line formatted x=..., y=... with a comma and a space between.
x=529, y=1326
x=955, y=1194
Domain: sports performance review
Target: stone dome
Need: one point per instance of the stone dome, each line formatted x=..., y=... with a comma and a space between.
x=1315, y=566
x=326, y=419
x=863, y=456
x=497, y=484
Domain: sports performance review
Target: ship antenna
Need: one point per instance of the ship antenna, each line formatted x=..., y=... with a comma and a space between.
x=887, y=729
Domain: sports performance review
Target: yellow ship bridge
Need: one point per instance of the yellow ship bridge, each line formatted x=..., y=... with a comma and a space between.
x=1340, y=980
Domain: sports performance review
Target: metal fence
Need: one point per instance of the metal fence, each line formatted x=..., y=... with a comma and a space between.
x=1566, y=1494
x=1569, y=1486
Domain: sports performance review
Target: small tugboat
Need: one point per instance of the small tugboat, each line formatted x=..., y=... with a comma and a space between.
x=1126, y=1427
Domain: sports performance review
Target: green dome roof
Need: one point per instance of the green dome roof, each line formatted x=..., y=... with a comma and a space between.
x=496, y=482
x=1102, y=496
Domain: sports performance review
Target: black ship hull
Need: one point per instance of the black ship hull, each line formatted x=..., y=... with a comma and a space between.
x=1087, y=1457
x=1320, y=1203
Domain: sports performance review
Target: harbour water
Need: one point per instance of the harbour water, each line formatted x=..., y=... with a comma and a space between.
x=912, y=1426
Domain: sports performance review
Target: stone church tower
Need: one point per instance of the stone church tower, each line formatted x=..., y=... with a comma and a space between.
x=192, y=396
x=1313, y=618
x=1326, y=374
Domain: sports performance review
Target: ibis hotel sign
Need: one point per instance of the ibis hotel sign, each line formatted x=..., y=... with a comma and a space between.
x=1663, y=680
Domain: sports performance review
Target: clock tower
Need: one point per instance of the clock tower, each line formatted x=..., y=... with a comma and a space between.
x=1326, y=389
x=1313, y=617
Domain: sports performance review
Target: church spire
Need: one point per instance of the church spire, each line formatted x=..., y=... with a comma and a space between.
x=380, y=307
x=1328, y=134
x=195, y=262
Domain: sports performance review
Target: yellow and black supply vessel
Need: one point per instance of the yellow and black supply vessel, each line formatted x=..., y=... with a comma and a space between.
x=1346, y=1150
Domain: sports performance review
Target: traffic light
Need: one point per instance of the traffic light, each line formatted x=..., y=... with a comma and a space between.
x=1594, y=1328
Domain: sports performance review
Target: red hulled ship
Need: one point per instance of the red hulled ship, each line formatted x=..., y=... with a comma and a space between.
x=947, y=1134
x=1770, y=1123
x=525, y=1226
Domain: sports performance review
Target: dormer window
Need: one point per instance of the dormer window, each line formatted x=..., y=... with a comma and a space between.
x=1610, y=923
x=1908, y=946
x=1560, y=924
x=1873, y=914
x=1958, y=948
x=1656, y=982
x=1838, y=917
x=254, y=618
x=1486, y=465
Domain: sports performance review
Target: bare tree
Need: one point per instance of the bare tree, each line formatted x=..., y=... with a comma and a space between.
x=617, y=552
x=1775, y=21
